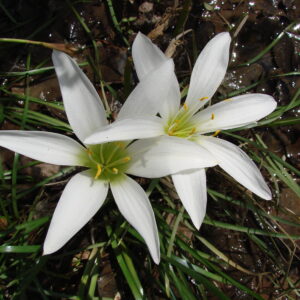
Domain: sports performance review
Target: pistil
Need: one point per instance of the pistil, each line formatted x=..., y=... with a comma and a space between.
x=107, y=161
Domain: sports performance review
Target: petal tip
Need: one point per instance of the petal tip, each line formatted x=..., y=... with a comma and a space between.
x=273, y=103
x=156, y=258
x=157, y=262
x=140, y=35
x=267, y=195
x=198, y=220
x=222, y=36
x=140, y=38
x=47, y=250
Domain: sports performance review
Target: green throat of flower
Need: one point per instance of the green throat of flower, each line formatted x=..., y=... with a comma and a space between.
x=181, y=125
x=107, y=161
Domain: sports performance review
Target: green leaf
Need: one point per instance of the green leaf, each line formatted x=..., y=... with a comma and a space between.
x=19, y=249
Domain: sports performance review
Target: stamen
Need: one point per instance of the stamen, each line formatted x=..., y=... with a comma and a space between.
x=101, y=153
x=120, y=145
x=90, y=154
x=203, y=98
x=229, y=99
x=185, y=107
x=113, y=152
x=212, y=116
x=89, y=151
x=216, y=133
x=193, y=130
x=115, y=170
x=173, y=126
x=118, y=162
x=99, y=170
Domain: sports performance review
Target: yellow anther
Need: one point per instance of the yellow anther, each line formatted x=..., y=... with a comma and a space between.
x=216, y=133
x=127, y=158
x=212, y=116
x=170, y=132
x=99, y=170
x=120, y=145
x=89, y=151
x=193, y=130
x=203, y=98
x=115, y=170
x=185, y=106
x=229, y=99
x=177, y=121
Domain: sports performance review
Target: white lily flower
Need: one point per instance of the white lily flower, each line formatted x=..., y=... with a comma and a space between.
x=107, y=163
x=189, y=124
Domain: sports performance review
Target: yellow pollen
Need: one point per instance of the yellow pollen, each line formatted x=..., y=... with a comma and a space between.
x=193, y=130
x=115, y=170
x=99, y=170
x=120, y=145
x=89, y=151
x=216, y=133
x=185, y=106
x=170, y=132
x=203, y=98
x=127, y=158
x=212, y=116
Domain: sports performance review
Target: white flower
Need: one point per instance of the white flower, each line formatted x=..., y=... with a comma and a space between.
x=187, y=123
x=107, y=164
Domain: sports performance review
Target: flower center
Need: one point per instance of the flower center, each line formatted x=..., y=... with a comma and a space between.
x=181, y=125
x=107, y=161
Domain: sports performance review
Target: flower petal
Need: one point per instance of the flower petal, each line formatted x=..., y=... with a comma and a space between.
x=237, y=164
x=146, y=55
x=128, y=129
x=234, y=112
x=79, y=202
x=146, y=99
x=83, y=106
x=191, y=189
x=48, y=147
x=209, y=71
x=166, y=155
x=171, y=103
x=135, y=206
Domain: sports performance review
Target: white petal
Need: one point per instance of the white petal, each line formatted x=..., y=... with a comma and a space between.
x=209, y=70
x=83, y=106
x=79, y=202
x=146, y=56
x=171, y=103
x=191, y=189
x=146, y=99
x=134, y=205
x=128, y=129
x=48, y=147
x=166, y=155
x=237, y=164
x=234, y=112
